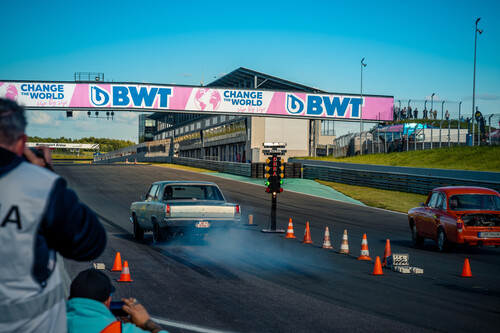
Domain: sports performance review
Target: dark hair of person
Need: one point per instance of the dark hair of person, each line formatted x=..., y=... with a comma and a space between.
x=12, y=121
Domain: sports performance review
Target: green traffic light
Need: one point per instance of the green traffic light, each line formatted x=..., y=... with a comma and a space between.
x=281, y=182
x=267, y=183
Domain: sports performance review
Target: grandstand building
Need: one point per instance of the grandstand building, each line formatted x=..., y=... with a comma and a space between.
x=238, y=138
x=147, y=128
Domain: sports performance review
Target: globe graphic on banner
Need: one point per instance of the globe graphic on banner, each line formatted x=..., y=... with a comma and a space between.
x=8, y=91
x=207, y=99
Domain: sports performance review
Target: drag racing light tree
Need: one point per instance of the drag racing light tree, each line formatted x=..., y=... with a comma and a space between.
x=274, y=173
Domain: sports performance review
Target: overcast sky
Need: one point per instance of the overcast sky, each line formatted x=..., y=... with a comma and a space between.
x=412, y=49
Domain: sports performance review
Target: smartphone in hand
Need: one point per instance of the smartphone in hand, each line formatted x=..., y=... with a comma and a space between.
x=116, y=309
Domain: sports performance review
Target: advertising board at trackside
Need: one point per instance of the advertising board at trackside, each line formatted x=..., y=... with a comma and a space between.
x=36, y=95
x=61, y=145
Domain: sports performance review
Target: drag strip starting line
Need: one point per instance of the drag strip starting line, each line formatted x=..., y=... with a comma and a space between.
x=193, y=328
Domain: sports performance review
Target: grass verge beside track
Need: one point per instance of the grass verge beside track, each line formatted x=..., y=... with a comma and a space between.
x=390, y=200
x=484, y=158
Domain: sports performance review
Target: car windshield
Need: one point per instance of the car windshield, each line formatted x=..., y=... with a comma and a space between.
x=474, y=202
x=189, y=192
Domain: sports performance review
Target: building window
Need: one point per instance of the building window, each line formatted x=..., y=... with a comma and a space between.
x=327, y=127
x=198, y=125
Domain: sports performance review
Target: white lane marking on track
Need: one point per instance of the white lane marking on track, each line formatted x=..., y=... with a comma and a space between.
x=312, y=195
x=186, y=326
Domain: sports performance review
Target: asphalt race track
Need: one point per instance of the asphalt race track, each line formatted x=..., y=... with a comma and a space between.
x=247, y=281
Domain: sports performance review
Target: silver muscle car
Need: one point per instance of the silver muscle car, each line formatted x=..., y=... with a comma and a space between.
x=170, y=207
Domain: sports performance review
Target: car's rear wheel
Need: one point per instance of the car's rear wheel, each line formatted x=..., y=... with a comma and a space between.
x=417, y=240
x=138, y=231
x=161, y=234
x=442, y=242
x=157, y=234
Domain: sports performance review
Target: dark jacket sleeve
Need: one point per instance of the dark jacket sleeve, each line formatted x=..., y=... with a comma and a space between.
x=70, y=227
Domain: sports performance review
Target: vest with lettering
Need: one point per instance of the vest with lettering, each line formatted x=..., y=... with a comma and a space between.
x=27, y=305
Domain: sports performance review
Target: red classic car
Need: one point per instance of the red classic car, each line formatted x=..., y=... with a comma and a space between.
x=457, y=215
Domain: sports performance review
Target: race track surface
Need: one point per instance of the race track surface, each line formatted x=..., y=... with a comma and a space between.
x=246, y=281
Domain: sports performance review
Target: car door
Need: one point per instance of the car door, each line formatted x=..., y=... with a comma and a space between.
x=157, y=205
x=141, y=209
x=437, y=212
x=151, y=203
x=425, y=221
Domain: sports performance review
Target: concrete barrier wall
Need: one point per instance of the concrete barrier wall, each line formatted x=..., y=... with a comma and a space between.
x=405, y=179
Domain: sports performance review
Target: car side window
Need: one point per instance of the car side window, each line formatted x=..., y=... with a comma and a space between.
x=441, y=202
x=152, y=195
x=433, y=200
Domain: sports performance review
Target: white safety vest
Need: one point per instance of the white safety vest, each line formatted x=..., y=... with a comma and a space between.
x=25, y=304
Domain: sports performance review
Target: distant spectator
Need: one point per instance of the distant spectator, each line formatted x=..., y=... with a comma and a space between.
x=410, y=113
x=89, y=303
x=462, y=119
x=415, y=113
x=424, y=115
x=447, y=115
x=403, y=113
x=435, y=114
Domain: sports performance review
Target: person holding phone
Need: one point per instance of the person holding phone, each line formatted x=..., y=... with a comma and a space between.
x=90, y=308
x=39, y=216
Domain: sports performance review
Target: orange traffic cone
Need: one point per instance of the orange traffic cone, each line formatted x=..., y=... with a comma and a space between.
x=387, y=252
x=289, y=231
x=326, y=241
x=135, y=162
x=307, y=235
x=365, y=254
x=377, y=270
x=344, y=246
x=117, y=266
x=466, y=269
x=125, y=276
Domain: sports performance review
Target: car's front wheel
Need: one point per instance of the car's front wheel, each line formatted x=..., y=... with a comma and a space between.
x=417, y=240
x=442, y=242
x=138, y=231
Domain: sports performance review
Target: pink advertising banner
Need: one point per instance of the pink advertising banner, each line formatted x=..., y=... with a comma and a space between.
x=161, y=98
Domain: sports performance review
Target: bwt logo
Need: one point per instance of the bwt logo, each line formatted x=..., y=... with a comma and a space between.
x=333, y=106
x=125, y=96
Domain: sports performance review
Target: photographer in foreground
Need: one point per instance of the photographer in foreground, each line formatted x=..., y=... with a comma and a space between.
x=39, y=216
x=89, y=307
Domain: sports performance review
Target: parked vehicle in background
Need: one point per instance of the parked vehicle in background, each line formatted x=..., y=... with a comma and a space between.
x=457, y=215
x=172, y=207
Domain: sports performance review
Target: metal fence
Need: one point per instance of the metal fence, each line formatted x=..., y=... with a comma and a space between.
x=428, y=134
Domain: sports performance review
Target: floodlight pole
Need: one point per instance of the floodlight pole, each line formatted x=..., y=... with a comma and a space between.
x=474, y=81
x=361, y=110
x=459, y=121
x=432, y=102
